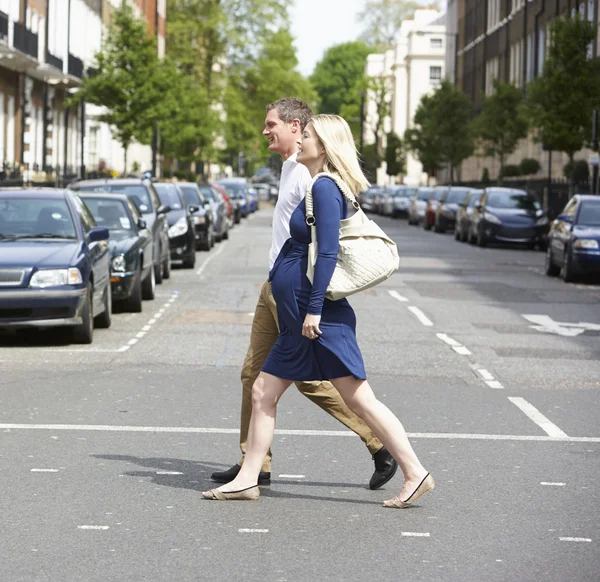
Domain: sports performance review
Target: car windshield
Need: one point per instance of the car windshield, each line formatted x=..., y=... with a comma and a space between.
x=474, y=198
x=514, y=200
x=191, y=195
x=138, y=193
x=111, y=214
x=589, y=213
x=437, y=194
x=27, y=217
x=169, y=196
x=456, y=196
x=404, y=192
x=208, y=193
x=425, y=194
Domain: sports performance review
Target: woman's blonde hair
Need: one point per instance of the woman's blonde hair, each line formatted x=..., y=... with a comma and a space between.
x=340, y=150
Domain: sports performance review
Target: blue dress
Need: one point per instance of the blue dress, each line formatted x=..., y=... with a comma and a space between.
x=335, y=353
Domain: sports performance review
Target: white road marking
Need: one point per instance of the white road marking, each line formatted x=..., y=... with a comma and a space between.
x=209, y=259
x=485, y=374
x=287, y=432
x=44, y=470
x=420, y=316
x=169, y=473
x=247, y=530
x=534, y=414
x=132, y=342
x=462, y=350
x=397, y=296
x=146, y=328
x=140, y=334
x=494, y=384
x=123, y=349
x=93, y=527
x=546, y=324
x=575, y=539
x=552, y=484
x=292, y=476
x=448, y=340
x=414, y=534
x=152, y=322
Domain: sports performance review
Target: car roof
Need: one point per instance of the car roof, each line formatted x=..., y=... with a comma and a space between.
x=53, y=193
x=115, y=195
x=588, y=196
x=502, y=190
x=116, y=181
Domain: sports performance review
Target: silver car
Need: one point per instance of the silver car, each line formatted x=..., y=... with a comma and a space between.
x=417, y=205
x=398, y=201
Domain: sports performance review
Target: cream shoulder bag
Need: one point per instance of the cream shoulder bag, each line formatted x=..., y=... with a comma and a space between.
x=366, y=257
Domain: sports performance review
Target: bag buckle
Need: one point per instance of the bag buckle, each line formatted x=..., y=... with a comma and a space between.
x=309, y=219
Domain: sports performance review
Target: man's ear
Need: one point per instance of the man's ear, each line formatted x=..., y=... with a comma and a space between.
x=295, y=125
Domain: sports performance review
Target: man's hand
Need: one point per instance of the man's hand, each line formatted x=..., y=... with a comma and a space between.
x=310, y=327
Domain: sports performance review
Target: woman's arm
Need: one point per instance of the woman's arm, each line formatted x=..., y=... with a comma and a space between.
x=328, y=209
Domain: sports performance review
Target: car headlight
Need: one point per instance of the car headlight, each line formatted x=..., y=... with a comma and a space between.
x=586, y=243
x=199, y=219
x=446, y=211
x=179, y=228
x=491, y=218
x=118, y=264
x=56, y=277
x=542, y=221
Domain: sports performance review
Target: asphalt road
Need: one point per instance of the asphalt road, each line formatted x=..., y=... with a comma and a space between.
x=493, y=368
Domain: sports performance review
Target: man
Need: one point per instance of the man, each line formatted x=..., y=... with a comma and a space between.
x=284, y=123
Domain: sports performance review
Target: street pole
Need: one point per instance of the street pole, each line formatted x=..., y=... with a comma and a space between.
x=595, y=148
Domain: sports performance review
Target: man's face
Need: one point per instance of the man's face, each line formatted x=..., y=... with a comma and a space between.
x=281, y=135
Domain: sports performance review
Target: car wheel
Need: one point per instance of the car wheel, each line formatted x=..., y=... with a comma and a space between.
x=158, y=271
x=481, y=239
x=226, y=235
x=84, y=332
x=550, y=268
x=457, y=235
x=149, y=285
x=189, y=262
x=104, y=320
x=134, y=303
x=464, y=235
x=166, y=268
x=426, y=225
x=568, y=272
x=212, y=241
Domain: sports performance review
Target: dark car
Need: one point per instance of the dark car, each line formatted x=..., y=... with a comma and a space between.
x=432, y=205
x=132, y=267
x=219, y=209
x=202, y=218
x=574, y=239
x=462, y=226
x=445, y=215
x=507, y=215
x=54, y=263
x=150, y=207
x=182, y=235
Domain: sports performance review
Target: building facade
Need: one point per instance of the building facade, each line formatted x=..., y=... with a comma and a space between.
x=46, y=47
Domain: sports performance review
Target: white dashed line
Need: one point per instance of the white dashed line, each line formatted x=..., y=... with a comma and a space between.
x=44, y=470
x=132, y=342
x=536, y=416
x=552, y=484
x=495, y=384
x=485, y=374
x=462, y=350
x=169, y=473
x=93, y=527
x=448, y=340
x=209, y=259
x=292, y=476
x=414, y=534
x=397, y=296
x=246, y=530
x=420, y=316
x=575, y=539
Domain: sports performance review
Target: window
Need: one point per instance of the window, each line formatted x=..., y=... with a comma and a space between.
x=541, y=50
x=491, y=73
x=436, y=43
x=435, y=74
x=93, y=147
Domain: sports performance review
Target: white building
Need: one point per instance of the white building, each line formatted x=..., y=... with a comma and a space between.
x=413, y=68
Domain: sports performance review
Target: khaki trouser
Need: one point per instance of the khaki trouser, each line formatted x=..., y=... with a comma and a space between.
x=264, y=335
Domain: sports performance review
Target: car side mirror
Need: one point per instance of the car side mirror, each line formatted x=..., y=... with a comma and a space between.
x=141, y=223
x=207, y=206
x=193, y=208
x=164, y=209
x=564, y=218
x=478, y=207
x=98, y=233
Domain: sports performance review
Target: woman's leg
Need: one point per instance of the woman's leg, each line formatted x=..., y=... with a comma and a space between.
x=266, y=392
x=359, y=397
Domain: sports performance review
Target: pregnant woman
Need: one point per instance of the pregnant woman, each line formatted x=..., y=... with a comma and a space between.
x=317, y=339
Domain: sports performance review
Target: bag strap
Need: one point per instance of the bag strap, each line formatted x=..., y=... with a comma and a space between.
x=344, y=188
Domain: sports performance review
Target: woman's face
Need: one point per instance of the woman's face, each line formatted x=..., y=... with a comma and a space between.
x=310, y=148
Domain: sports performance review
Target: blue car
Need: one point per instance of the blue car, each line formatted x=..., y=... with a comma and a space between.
x=574, y=239
x=54, y=263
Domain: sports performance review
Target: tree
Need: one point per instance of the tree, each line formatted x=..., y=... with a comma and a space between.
x=502, y=122
x=394, y=155
x=562, y=99
x=339, y=80
x=529, y=166
x=126, y=79
x=378, y=91
x=382, y=19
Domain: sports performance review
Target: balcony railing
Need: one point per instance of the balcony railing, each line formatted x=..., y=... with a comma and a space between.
x=54, y=61
x=75, y=66
x=25, y=40
x=3, y=25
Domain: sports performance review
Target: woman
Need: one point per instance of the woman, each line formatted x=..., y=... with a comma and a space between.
x=317, y=339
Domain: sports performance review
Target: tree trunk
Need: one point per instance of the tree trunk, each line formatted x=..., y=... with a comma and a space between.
x=571, y=174
x=501, y=174
x=125, y=148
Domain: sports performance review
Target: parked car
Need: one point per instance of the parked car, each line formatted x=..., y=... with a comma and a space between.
x=132, y=266
x=417, y=205
x=432, y=205
x=399, y=200
x=182, y=234
x=367, y=199
x=445, y=215
x=148, y=203
x=237, y=191
x=233, y=212
x=463, y=216
x=574, y=239
x=54, y=263
x=219, y=209
x=507, y=215
x=203, y=218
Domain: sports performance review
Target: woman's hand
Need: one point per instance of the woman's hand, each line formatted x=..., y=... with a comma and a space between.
x=310, y=327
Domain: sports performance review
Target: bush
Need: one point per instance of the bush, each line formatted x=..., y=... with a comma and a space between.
x=578, y=170
x=485, y=175
x=529, y=166
x=511, y=170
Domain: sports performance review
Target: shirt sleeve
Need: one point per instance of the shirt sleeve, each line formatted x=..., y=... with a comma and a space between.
x=328, y=211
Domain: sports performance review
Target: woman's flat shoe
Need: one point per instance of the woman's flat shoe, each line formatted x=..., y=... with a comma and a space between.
x=248, y=494
x=426, y=485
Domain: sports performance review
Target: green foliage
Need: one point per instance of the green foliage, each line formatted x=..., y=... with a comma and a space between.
x=485, y=176
x=577, y=171
x=371, y=161
x=529, y=166
x=339, y=81
x=502, y=122
x=442, y=132
x=394, y=155
x=510, y=170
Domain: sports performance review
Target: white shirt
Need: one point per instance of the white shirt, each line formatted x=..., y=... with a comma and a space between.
x=293, y=183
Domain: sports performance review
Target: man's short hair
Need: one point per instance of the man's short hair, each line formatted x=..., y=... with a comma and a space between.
x=290, y=108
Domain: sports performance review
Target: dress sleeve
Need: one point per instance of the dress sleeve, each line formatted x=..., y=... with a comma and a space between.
x=328, y=210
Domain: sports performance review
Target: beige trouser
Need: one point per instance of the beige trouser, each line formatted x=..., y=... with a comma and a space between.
x=264, y=335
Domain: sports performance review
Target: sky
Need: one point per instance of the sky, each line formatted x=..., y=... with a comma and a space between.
x=319, y=24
